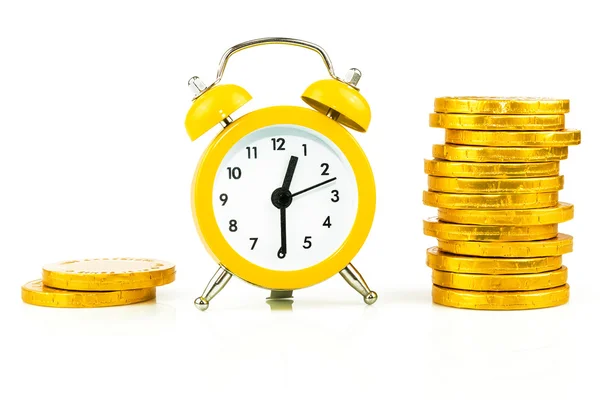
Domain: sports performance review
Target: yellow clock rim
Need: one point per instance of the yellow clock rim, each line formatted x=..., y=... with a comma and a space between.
x=215, y=242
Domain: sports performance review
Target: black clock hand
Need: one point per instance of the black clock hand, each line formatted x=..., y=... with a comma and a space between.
x=314, y=186
x=282, y=198
x=283, y=249
x=289, y=173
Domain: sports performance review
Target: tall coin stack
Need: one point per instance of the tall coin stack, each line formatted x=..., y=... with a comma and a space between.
x=495, y=183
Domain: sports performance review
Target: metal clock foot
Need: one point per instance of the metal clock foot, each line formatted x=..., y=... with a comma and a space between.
x=216, y=284
x=281, y=300
x=355, y=279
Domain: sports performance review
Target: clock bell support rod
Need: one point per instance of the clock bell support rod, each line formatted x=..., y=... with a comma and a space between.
x=355, y=279
x=216, y=284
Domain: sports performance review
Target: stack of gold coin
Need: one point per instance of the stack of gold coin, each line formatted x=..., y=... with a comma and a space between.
x=495, y=183
x=99, y=282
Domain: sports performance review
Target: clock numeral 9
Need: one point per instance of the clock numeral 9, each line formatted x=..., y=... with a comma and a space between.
x=336, y=196
x=223, y=197
x=278, y=143
x=233, y=225
x=325, y=167
x=327, y=222
x=307, y=242
x=234, y=173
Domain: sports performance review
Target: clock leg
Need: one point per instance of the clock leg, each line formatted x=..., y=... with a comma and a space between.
x=216, y=284
x=281, y=300
x=355, y=279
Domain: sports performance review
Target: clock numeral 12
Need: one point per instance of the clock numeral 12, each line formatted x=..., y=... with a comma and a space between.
x=278, y=143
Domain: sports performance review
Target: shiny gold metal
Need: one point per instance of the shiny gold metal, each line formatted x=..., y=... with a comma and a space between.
x=101, y=274
x=490, y=201
x=567, y=137
x=491, y=185
x=449, y=231
x=442, y=261
x=501, y=300
x=500, y=283
x=490, y=170
x=539, y=216
x=37, y=294
x=500, y=105
x=478, y=154
x=557, y=246
x=497, y=122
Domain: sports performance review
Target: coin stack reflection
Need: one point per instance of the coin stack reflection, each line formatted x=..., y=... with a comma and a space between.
x=495, y=183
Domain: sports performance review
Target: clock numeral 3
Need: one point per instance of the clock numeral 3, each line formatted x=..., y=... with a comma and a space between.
x=336, y=196
x=233, y=225
x=307, y=242
x=223, y=197
x=252, y=152
x=253, y=240
x=327, y=222
x=278, y=143
x=234, y=173
x=325, y=167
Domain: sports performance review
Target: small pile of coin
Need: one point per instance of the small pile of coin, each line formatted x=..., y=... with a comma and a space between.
x=495, y=182
x=98, y=282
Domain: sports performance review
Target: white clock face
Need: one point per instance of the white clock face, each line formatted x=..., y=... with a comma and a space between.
x=285, y=197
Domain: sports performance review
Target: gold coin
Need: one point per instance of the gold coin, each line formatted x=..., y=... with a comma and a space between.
x=449, y=231
x=497, y=122
x=562, y=138
x=39, y=295
x=490, y=170
x=557, y=246
x=442, y=261
x=539, y=216
x=500, y=283
x=491, y=185
x=490, y=201
x=501, y=300
x=500, y=105
x=478, y=154
x=100, y=274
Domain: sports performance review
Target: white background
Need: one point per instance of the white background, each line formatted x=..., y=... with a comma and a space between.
x=95, y=162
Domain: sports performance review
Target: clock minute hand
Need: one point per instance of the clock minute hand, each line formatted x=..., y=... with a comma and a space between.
x=314, y=186
x=283, y=249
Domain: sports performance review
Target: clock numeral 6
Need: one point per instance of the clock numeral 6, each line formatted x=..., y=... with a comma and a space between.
x=307, y=242
x=327, y=222
x=278, y=143
x=233, y=225
x=234, y=173
x=336, y=196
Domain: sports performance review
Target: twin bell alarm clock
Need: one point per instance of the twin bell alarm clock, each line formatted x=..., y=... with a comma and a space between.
x=284, y=196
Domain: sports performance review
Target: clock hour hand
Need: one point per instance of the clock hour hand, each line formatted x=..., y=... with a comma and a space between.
x=283, y=249
x=314, y=186
x=289, y=173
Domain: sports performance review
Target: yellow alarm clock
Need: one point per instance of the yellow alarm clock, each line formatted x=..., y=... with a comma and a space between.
x=284, y=196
